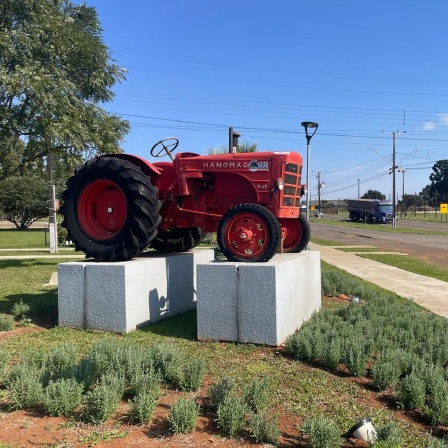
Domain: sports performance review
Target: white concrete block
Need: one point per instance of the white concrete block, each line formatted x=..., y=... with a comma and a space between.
x=120, y=297
x=262, y=303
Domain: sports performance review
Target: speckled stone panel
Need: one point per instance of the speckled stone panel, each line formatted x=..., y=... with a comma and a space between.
x=120, y=297
x=261, y=303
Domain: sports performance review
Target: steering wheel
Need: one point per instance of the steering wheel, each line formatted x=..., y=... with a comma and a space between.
x=166, y=148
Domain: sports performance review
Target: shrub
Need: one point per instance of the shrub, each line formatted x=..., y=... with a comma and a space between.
x=389, y=436
x=437, y=443
x=142, y=406
x=105, y=355
x=301, y=346
x=100, y=403
x=20, y=310
x=62, y=397
x=145, y=382
x=84, y=372
x=220, y=391
x=231, y=416
x=356, y=358
x=60, y=360
x=386, y=372
x=264, y=427
x=438, y=405
x=6, y=322
x=25, y=387
x=412, y=391
x=183, y=415
x=5, y=357
x=332, y=353
x=168, y=361
x=192, y=375
x=321, y=432
x=256, y=394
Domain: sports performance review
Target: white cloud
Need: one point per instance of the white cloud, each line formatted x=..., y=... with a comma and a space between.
x=429, y=126
x=443, y=118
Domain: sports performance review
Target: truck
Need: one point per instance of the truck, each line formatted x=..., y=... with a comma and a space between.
x=116, y=206
x=372, y=210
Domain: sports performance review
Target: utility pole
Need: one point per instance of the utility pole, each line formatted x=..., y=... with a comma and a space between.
x=392, y=171
x=319, y=186
x=52, y=225
x=359, y=194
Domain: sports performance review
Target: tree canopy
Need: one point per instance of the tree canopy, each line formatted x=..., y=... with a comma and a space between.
x=23, y=200
x=55, y=71
x=243, y=146
x=437, y=190
x=373, y=194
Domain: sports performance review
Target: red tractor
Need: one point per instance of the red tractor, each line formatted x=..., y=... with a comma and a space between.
x=116, y=206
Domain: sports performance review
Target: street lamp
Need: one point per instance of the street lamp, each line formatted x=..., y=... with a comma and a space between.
x=310, y=130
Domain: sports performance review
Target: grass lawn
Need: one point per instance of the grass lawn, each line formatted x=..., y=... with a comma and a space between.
x=380, y=227
x=410, y=264
x=14, y=238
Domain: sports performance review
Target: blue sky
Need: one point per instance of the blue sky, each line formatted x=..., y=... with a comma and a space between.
x=362, y=70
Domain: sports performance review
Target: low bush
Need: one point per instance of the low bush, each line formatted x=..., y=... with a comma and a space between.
x=6, y=322
x=20, y=310
x=192, y=375
x=231, y=415
x=256, y=395
x=62, y=397
x=412, y=391
x=264, y=427
x=386, y=370
x=183, y=415
x=389, y=436
x=142, y=406
x=100, y=403
x=321, y=432
x=220, y=391
x=25, y=387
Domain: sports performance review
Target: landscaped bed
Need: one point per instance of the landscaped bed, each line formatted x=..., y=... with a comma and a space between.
x=337, y=384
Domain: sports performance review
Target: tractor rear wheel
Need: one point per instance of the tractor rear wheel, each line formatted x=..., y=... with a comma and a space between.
x=177, y=240
x=111, y=209
x=249, y=232
x=297, y=233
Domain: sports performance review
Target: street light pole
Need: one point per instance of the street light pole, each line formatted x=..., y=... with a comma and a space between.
x=308, y=125
x=394, y=202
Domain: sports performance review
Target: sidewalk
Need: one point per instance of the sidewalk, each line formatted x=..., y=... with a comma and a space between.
x=430, y=293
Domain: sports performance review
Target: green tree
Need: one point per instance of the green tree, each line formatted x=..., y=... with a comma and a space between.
x=243, y=146
x=326, y=204
x=439, y=181
x=23, y=200
x=373, y=194
x=55, y=71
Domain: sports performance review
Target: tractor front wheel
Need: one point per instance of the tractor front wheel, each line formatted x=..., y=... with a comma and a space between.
x=296, y=233
x=249, y=232
x=111, y=209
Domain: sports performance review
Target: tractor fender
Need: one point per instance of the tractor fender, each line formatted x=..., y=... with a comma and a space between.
x=147, y=167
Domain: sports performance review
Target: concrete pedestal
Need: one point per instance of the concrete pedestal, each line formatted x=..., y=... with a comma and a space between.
x=262, y=303
x=120, y=297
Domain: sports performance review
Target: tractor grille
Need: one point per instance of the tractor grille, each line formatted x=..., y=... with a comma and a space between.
x=292, y=190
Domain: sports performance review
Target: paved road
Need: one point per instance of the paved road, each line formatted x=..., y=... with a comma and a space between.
x=430, y=248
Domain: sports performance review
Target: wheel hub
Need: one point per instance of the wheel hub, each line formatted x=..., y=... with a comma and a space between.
x=102, y=209
x=246, y=234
